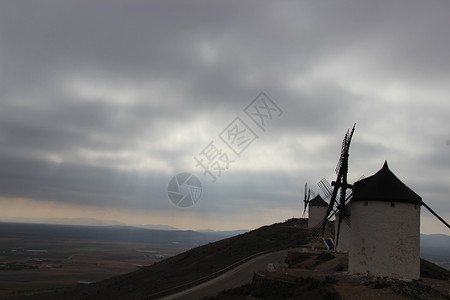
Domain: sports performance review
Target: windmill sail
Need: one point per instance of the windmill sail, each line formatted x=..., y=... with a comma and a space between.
x=326, y=188
x=306, y=199
x=435, y=214
x=340, y=186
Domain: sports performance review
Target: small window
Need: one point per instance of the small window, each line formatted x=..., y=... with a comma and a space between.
x=366, y=203
x=392, y=204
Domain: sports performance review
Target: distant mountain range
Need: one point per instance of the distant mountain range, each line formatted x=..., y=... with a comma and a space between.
x=62, y=221
x=96, y=222
x=436, y=248
x=185, y=238
x=157, y=227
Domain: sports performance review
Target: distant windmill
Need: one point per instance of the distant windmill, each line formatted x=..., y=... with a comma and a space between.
x=306, y=199
x=340, y=185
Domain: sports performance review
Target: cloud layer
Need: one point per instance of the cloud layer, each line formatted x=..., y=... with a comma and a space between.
x=101, y=103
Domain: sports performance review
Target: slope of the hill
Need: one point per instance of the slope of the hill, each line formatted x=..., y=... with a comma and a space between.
x=190, y=265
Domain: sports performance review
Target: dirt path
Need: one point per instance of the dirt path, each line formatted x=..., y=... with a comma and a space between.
x=236, y=277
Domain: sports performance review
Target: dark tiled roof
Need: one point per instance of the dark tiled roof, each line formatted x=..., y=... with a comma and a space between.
x=384, y=186
x=318, y=201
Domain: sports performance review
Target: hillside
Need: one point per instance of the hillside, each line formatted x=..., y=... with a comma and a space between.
x=188, y=266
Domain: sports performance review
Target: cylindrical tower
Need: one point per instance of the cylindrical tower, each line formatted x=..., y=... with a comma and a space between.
x=385, y=227
x=317, y=210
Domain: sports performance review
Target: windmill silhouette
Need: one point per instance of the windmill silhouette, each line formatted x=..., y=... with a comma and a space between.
x=306, y=199
x=340, y=186
x=344, y=190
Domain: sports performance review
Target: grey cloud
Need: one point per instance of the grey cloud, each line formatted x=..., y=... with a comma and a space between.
x=204, y=62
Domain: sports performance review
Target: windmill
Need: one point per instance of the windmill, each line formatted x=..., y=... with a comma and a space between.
x=384, y=206
x=341, y=186
x=327, y=190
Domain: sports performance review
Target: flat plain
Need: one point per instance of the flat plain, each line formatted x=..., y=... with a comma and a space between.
x=35, y=258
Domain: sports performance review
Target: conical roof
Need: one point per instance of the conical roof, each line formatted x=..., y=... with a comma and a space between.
x=384, y=186
x=318, y=201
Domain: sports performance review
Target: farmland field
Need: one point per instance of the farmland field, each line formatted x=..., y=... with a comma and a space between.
x=43, y=260
x=68, y=261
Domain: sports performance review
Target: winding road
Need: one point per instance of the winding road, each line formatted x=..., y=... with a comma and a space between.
x=236, y=277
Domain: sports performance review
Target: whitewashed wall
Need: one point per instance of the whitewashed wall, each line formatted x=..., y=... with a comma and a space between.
x=385, y=240
x=316, y=215
x=344, y=236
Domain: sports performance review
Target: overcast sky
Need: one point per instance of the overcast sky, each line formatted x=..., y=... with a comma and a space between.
x=103, y=102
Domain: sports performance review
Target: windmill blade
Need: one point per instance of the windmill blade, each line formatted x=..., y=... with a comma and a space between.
x=330, y=206
x=435, y=214
x=307, y=198
x=322, y=223
x=347, y=220
x=361, y=178
x=351, y=134
x=341, y=184
x=342, y=214
x=306, y=188
x=338, y=166
x=348, y=194
x=337, y=234
x=326, y=188
x=305, y=201
x=342, y=180
x=344, y=217
x=344, y=148
x=341, y=157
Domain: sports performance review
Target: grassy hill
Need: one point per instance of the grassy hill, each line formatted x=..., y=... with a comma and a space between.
x=189, y=266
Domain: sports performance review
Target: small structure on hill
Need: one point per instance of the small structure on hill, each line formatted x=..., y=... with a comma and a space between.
x=317, y=210
x=385, y=227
